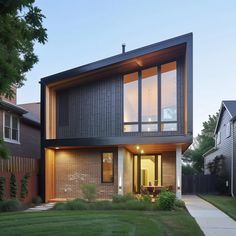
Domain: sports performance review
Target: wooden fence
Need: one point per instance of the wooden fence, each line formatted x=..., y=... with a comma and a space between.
x=202, y=184
x=20, y=166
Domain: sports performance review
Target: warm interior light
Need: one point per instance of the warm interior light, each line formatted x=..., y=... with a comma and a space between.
x=57, y=148
x=142, y=151
x=137, y=147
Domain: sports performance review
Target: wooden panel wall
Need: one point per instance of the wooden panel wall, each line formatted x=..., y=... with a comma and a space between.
x=49, y=174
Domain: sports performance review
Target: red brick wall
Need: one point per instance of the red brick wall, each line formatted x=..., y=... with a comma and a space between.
x=76, y=167
x=32, y=185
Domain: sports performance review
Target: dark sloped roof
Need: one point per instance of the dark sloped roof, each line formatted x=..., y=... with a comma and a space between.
x=33, y=111
x=230, y=106
x=12, y=107
x=183, y=39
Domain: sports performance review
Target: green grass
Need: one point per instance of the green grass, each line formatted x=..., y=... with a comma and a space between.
x=224, y=203
x=99, y=223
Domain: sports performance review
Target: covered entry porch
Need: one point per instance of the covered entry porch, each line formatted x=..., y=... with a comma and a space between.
x=149, y=169
x=114, y=170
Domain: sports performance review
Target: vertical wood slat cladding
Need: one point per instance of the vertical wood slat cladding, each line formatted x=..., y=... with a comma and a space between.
x=95, y=109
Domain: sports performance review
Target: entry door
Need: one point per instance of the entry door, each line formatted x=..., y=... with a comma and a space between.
x=147, y=171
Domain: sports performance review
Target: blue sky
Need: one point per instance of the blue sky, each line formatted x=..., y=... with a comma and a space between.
x=81, y=32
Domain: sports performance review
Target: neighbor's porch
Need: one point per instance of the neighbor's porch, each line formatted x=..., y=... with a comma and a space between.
x=114, y=170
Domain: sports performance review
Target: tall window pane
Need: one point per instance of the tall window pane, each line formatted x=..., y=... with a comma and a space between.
x=168, y=92
x=107, y=167
x=131, y=97
x=7, y=128
x=149, y=95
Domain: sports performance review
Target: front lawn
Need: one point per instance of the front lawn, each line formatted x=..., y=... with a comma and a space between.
x=99, y=223
x=224, y=203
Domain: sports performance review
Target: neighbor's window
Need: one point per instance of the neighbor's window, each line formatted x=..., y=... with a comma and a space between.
x=11, y=127
x=169, y=96
x=218, y=138
x=107, y=167
x=130, y=102
x=228, y=130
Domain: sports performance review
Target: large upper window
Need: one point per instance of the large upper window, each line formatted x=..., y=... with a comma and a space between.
x=131, y=102
x=169, y=97
x=107, y=167
x=150, y=99
x=11, y=128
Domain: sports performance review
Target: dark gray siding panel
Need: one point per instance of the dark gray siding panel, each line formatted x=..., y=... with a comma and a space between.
x=224, y=147
x=95, y=109
x=234, y=158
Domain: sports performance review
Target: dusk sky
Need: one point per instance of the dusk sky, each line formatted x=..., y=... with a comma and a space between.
x=80, y=32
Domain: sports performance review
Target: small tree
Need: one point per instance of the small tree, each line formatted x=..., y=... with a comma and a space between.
x=24, y=186
x=217, y=167
x=89, y=191
x=4, y=152
x=2, y=187
x=13, y=186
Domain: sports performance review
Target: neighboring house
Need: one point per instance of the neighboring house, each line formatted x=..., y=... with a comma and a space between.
x=20, y=130
x=121, y=123
x=225, y=143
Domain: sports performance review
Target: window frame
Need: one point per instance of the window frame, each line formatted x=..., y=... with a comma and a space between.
x=102, y=180
x=10, y=140
x=228, y=130
x=159, y=122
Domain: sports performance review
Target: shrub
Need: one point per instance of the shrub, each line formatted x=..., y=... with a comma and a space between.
x=179, y=203
x=145, y=198
x=24, y=186
x=101, y=205
x=2, y=187
x=60, y=206
x=89, y=191
x=123, y=198
x=166, y=201
x=10, y=205
x=37, y=200
x=13, y=186
x=76, y=204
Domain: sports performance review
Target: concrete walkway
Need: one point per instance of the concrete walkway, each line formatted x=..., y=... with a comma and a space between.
x=211, y=220
x=42, y=207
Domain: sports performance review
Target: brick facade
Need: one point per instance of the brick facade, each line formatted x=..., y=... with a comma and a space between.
x=76, y=167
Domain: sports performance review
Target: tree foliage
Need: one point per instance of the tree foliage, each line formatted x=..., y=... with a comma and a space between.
x=202, y=143
x=4, y=152
x=20, y=28
x=13, y=186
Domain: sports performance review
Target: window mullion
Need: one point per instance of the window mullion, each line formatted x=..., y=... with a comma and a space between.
x=139, y=101
x=159, y=97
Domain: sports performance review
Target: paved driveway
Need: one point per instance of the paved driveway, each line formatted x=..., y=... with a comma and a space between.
x=211, y=220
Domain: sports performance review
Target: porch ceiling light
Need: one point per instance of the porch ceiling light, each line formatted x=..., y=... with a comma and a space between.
x=57, y=148
x=137, y=147
x=142, y=151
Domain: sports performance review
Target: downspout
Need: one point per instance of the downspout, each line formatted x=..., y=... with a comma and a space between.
x=232, y=160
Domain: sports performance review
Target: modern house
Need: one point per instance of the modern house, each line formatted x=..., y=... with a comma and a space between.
x=121, y=123
x=20, y=131
x=225, y=143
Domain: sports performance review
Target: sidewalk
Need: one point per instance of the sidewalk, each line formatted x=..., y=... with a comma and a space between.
x=42, y=207
x=212, y=221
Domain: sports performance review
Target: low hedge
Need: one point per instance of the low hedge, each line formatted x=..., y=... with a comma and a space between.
x=10, y=205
